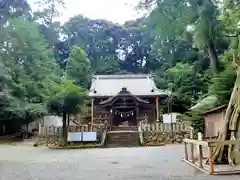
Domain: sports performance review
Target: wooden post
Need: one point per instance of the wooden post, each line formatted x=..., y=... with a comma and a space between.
x=200, y=152
x=192, y=153
x=40, y=129
x=200, y=156
x=157, y=108
x=211, y=160
x=191, y=133
x=185, y=150
x=137, y=114
x=92, y=114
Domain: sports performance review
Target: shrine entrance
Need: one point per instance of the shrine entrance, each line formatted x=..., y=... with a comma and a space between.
x=124, y=108
x=124, y=118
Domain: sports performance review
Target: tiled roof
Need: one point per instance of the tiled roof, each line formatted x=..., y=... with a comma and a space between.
x=216, y=109
x=208, y=102
x=111, y=85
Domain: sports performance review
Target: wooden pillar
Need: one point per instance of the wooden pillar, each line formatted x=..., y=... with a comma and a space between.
x=210, y=150
x=92, y=114
x=200, y=150
x=157, y=108
x=40, y=129
x=192, y=153
x=192, y=147
x=200, y=156
x=186, y=151
x=137, y=114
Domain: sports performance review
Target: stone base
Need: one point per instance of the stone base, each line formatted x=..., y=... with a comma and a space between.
x=122, y=139
x=160, y=138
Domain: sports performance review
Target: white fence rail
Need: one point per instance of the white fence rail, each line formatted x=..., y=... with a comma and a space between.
x=53, y=130
x=49, y=130
x=164, y=127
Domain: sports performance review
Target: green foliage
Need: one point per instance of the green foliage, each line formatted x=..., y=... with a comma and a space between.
x=184, y=82
x=79, y=67
x=28, y=71
x=196, y=119
x=222, y=84
x=66, y=98
x=179, y=41
x=12, y=9
x=49, y=11
x=207, y=103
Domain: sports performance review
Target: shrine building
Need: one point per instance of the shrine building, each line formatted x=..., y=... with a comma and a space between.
x=126, y=99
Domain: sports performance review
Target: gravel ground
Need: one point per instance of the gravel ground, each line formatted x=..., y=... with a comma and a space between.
x=151, y=163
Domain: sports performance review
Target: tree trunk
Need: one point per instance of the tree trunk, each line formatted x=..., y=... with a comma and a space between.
x=213, y=56
x=68, y=118
x=229, y=126
x=27, y=125
x=64, y=128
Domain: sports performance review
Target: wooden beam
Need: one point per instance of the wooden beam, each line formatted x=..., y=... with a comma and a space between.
x=197, y=142
x=226, y=142
x=123, y=107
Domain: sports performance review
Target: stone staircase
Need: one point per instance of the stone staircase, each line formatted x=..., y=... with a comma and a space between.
x=123, y=137
x=124, y=128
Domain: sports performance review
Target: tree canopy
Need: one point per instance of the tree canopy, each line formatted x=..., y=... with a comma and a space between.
x=187, y=44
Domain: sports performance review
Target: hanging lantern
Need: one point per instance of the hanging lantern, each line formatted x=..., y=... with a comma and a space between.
x=111, y=111
x=127, y=115
x=132, y=113
x=121, y=115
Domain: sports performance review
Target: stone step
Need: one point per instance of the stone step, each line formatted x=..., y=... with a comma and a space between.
x=124, y=128
x=122, y=139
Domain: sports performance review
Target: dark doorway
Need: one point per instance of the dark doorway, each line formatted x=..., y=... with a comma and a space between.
x=122, y=118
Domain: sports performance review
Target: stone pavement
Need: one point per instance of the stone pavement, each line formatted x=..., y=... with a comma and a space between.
x=150, y=163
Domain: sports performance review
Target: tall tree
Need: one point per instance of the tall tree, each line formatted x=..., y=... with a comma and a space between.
x=66, y=99
x=171, y=18
x=13, y=8
x=49, y=11
x=230, y=127
x=98, y=38
x=30, y=71
x=79, y=67
x=206, y=29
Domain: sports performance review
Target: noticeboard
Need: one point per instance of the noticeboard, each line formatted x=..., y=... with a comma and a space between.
x=89, y=136
x=75, y=136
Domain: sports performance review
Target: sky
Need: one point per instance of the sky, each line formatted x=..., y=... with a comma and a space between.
x=118, y=11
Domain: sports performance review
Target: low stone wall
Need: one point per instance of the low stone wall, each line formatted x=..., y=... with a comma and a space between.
x=162, y=138
x=13, y=137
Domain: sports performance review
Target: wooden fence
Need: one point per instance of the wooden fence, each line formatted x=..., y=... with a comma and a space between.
x=57, y=131
x=164, y=127
x=197, y=157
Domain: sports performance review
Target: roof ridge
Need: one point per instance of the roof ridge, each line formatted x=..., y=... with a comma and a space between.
x=114, y=76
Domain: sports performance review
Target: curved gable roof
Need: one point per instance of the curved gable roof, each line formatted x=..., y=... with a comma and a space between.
x=137, y=85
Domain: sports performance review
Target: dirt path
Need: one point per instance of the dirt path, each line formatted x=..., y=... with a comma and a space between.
x=159, y=163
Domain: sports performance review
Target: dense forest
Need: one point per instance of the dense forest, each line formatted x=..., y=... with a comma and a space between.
x=188, y=45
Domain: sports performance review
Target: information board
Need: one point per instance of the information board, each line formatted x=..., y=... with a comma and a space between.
x=89, y=136
x=74, y=136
